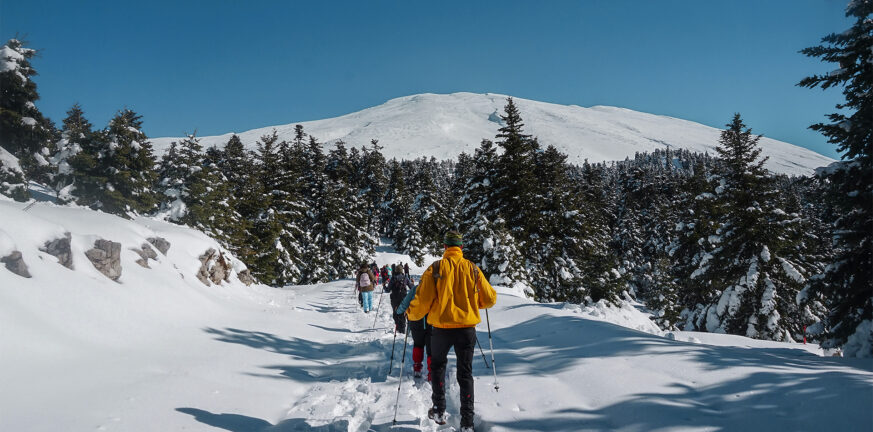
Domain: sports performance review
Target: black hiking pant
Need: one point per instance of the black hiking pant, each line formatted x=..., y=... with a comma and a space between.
x=399, y=319
x=421, y=334
x=464, y=342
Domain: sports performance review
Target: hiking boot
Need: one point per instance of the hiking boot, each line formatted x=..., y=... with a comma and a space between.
x=439, y=417
x=416, y=374
x=466, y=425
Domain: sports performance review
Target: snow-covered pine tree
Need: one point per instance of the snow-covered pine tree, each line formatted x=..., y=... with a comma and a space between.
x=127, y=163
x=343, y=236
x=12, y=182
x=428, y=209
x=315, y=190
x=76, y=158
x=245, y=193
x=401, y=225
x=515, y=182
x=24, y=131
x=476, y=200
x=600, y=267
x=848, y=280
x=269, y=262
x=194, y=192
x=555, y=244
x=286, y=186
x=754, y=264
x=690, y=250
x=374, y=182
x=629, y=235
x=501, y=260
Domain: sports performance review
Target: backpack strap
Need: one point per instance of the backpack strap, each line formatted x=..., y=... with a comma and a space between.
x=435, y=271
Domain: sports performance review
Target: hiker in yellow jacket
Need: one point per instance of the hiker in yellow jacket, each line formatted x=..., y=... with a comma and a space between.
x=450, y=293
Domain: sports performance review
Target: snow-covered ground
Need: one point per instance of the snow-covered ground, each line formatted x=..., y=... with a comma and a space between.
x=160, y=351
x=444, y=125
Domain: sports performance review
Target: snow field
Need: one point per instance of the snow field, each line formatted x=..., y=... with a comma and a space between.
x=159, y=350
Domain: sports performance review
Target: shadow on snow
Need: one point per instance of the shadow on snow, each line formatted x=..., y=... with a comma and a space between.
x=783, y=389
x=324, y=362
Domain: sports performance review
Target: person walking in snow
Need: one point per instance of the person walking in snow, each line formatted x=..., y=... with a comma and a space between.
x=420, y=336
x=406, y=269
x=384, y=275
x=398, y=289
x=365, y=281
x=451, y=293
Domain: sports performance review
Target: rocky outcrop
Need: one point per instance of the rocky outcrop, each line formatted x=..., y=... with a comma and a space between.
x=161, y=243
x=60, y=249
x=214, y=267
x=15, y=263
x=106, y=257
x=145, y=253
x=245, y=277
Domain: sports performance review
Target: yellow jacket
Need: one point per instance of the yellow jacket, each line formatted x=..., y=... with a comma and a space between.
x=454, y=301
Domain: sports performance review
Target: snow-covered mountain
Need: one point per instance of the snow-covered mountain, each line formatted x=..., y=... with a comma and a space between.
x=446, y=125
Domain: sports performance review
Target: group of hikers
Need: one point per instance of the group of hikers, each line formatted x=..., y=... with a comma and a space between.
x=442, y=312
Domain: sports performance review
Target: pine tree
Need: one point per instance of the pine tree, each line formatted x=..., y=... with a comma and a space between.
x=401, y=225
x=600, y=275
x=374, y=183
x=316, y=192
x=12, y=182
x=24, y=131
x=689, y=251
x=244, y=195
x=76, y=158
x=515, y=180
x=501, y=260
x=477, y=201
x=269, y=261
x=848, y=280
x=428, y=209
x=127, y=163
x=346, y=239
x=195, y=193
x=754, y=263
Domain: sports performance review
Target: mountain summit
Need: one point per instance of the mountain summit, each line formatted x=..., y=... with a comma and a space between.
x=444, y=125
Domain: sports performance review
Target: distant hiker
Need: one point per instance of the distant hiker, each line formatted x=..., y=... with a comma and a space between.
x=406, y=269
x=374, y=269
x=384, y=275
x=451, y=292
x=398, y=289
x=365, y=280
x=420, y=336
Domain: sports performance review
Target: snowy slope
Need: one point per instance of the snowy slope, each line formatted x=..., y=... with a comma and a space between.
x=160, y=351
x=446, y=125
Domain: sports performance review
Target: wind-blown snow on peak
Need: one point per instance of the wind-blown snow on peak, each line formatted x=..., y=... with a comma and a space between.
x=445, y=125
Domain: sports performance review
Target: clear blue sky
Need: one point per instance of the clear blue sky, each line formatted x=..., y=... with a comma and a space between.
x=218, y=66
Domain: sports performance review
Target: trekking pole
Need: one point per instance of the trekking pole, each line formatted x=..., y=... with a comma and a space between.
x=377, y=308
x=391, y=365
x=494, y=366
x=483, y=353
x=402, y=364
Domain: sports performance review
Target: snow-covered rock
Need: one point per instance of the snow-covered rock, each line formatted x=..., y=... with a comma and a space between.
x=444, y=125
